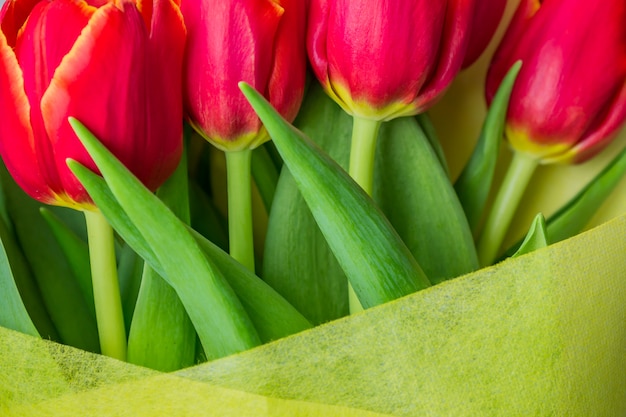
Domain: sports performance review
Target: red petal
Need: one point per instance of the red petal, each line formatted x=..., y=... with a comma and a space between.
x=16, y=136
x=165, y=101
x=102, y=83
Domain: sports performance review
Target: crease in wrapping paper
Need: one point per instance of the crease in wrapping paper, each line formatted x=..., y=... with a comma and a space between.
x=543, y=334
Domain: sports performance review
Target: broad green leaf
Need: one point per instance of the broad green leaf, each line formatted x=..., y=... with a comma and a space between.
x=271, y=314
x=13, y=314
x=474, y=183
x=161, y=335
x=265, y=175
x=412, y=188
x=76, y=252
x=536, y=238
x=59, y=288
x=376, y=261
x=205, y=218
x=297, y=260
x=129, y=272
x=221, y=322
x=426, y=125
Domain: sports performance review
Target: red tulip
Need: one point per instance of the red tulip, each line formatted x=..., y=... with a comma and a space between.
x=260, y=42
x=570, y=95
x=383, y=59
x=487, y=16
x=116, y=67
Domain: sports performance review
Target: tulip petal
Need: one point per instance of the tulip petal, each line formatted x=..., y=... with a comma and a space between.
x=165, y=113
x=16, y=135
x=101, y=82
x=236, y=45
x=13, y=16
x=455, y=40
x=286, y=85
x=487, y=16
x=61, y=20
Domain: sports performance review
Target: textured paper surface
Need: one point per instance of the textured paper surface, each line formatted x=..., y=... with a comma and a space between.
x=543, y=334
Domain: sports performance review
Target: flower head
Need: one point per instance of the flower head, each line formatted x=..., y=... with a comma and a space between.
x=570, y=95
x=384, y=59
x=116, y=67
x=260, y=42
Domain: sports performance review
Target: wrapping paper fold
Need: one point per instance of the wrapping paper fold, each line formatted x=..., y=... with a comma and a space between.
x=543, y=334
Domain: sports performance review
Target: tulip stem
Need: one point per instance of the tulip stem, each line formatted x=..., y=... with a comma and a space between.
x=238, y=166
x=362, y=152
x=507, y=200
x=106, y=292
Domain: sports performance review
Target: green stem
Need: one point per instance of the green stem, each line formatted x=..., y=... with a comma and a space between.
x=240, y=207
x=106, y=290
x=507, y=200
x=362, y=152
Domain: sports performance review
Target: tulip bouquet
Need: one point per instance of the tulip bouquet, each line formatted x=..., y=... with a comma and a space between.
x=282, y=207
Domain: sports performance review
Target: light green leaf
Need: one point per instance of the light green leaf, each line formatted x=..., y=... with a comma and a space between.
x=376, y=261
x=536, y=238
x=221, y=322
x=474, y=183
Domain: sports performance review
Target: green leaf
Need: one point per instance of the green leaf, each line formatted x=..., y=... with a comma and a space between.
x=13, y=314
x=59, y=288
x=536, y=238
x=297, y=260
x=162, y=336
x=412, y=188
x=265, y=175
x=271, y=314
x=77, y=253
x=221, y=322
x=129, y=272
x=205, y=218
x=376, y=261
x=427, y=127
x=474, y=183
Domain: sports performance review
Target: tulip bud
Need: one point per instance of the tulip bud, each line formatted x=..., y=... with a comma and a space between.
x=260, y=42
x=116, y=68
x=570, y=95
x=387, y=58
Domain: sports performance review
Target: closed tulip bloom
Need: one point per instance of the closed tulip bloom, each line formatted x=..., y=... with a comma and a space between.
x=116, y=67
x=570, y=96
x=260, y=42
x=384, y=59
